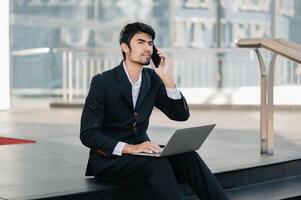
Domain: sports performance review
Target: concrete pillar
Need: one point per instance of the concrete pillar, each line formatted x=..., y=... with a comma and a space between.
x=4, y=60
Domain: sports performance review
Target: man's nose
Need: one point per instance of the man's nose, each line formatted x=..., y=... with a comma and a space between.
x=149, y=48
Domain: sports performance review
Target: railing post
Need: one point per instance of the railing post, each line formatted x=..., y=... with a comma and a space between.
x=266, y=104
x=64, y=75
x=270, y=94
x=70, y=76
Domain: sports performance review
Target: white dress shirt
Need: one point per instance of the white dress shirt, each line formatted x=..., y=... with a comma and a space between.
x=172, y=93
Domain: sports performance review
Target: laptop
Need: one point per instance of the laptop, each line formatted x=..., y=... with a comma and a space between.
x=183, y=140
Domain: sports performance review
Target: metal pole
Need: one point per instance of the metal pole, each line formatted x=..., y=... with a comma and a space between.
x=218, y=23
x=273, y=18
x=172, y=22
x=70, y=76
x=263, y=104
x=64, y=64
x=84, y=76
x=218, y=43
x=76, y=78
x=96, y=18
x=270, y=106
x=266, y=105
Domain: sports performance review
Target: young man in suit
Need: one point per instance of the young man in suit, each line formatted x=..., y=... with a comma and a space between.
x=115, y=119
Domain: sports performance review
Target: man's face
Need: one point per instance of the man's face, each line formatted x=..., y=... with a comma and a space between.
x=141, y=49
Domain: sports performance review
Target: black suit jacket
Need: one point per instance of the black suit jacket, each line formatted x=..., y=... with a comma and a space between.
x=109, y=116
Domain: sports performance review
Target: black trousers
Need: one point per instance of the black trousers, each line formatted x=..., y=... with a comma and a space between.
x=162, y=176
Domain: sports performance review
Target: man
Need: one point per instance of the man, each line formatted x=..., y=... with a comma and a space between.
x=115, y=119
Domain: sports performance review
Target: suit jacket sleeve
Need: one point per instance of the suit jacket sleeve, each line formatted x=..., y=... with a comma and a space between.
x=174, y=109
x=92, y=117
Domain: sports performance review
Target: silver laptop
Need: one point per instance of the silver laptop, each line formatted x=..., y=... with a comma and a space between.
x=183, y=140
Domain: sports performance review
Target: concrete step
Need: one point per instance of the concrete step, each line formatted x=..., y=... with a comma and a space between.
x=259, y=174
x=287, y=188
x=280, y=180
x=113, y=192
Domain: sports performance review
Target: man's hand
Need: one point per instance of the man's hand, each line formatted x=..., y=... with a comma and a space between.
x=145, y=147
x=163, y=70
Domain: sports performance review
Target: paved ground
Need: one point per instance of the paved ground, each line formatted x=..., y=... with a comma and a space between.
x=58, y=152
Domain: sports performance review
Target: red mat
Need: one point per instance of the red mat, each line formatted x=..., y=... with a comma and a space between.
x=5, y=140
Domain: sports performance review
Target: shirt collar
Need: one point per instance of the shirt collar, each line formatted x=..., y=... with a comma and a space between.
x=127, y=74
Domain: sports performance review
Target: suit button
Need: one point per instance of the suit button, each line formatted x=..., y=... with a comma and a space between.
x=135, y=114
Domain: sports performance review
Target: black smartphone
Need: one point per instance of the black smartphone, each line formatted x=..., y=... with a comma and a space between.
x=155, y=57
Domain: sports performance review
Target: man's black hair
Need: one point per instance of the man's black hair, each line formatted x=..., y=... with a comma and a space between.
x=131, y=29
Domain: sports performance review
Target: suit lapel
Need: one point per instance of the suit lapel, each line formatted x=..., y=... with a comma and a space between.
x=124, y=84
x=144, y=88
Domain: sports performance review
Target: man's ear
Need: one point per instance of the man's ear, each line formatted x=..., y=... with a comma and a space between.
x=125, y=48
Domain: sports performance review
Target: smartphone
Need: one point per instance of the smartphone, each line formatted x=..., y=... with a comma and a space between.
x=155, y=57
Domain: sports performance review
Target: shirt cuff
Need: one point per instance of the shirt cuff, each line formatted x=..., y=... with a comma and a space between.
x=118, y=149
x=173, y=93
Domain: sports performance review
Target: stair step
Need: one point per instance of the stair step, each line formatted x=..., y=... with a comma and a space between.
x=281, y=180
x=287, y=188
x=259, y=174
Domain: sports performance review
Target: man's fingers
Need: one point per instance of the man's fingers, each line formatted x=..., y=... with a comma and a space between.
x=161, y=53
x=156, y=147
x=149, y=147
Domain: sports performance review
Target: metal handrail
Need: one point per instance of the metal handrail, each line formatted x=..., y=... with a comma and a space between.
x=282, y=47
